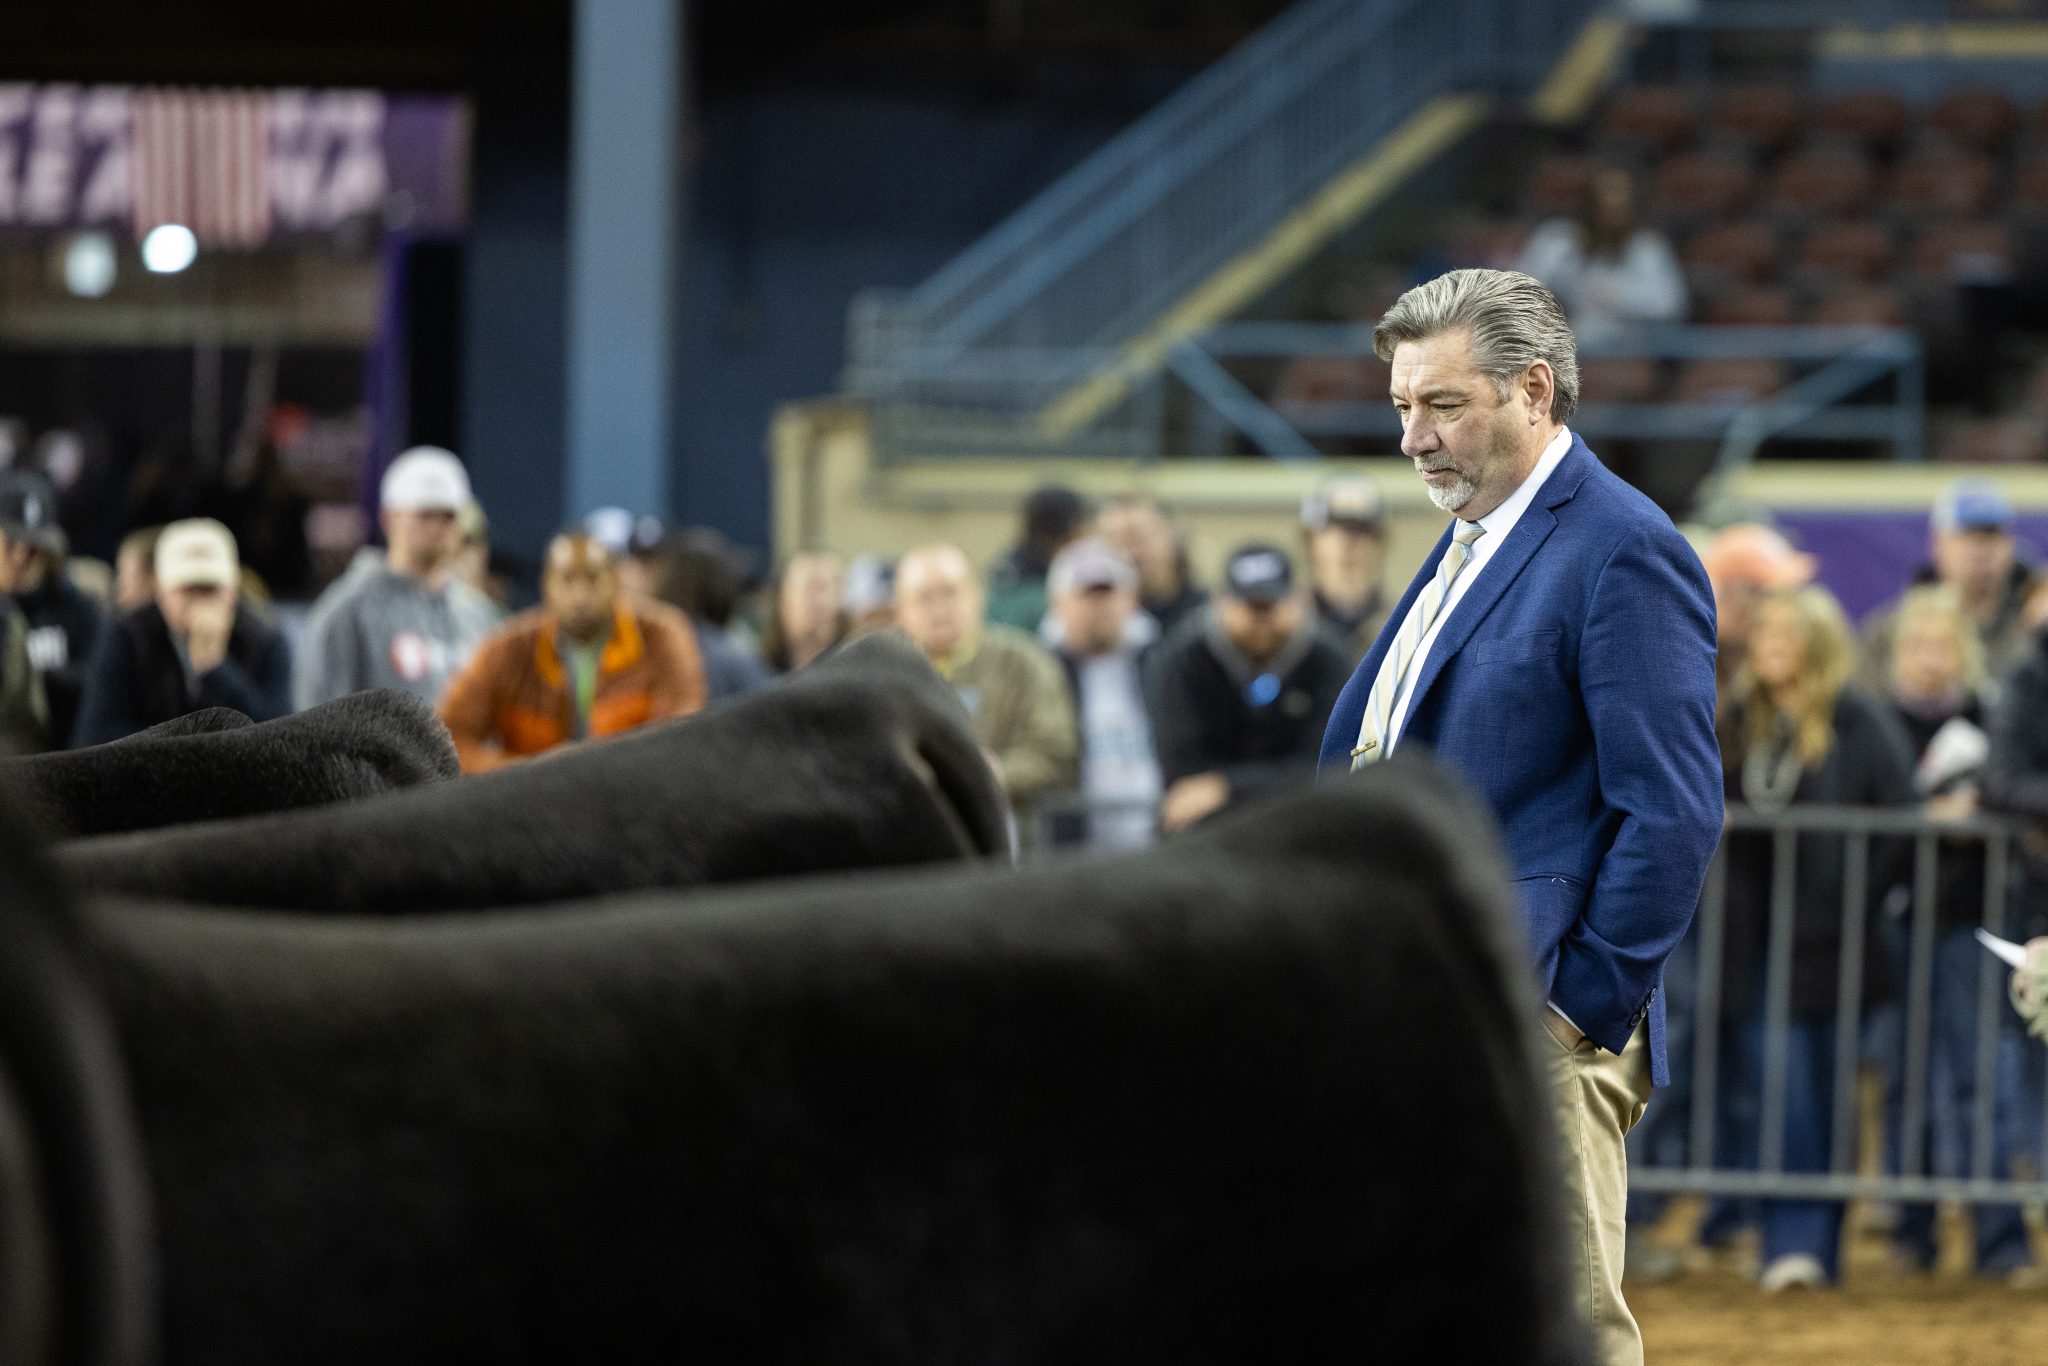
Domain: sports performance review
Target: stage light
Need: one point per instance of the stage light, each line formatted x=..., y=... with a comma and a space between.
x=169, y=248
x=89, y=265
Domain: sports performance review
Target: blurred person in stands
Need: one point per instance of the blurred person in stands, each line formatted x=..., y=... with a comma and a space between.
x=1012, y=688
x=806, y=611
x=472, y=561
x=195, y=647
x=635, y=544
x=1053, y=516
x=63, y=620
x=1344, y=526
x=590, y=661
x=1604, y=266
x=1743, y=563
x=400, y=620
x=1243, y=692
x=1795, y=733
x=135, y=571
x=1971, y=550
x=1103, y=642
x=24, y=714
x=1937, y=693
x=2016, y=784
x=698, y=572
x=870, y=594
x=1140, y=528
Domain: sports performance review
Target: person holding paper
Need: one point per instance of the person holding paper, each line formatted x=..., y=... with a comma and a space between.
x=1937, y=680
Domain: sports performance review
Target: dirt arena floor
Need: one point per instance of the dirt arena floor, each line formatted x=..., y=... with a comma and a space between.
x=1711, y=1313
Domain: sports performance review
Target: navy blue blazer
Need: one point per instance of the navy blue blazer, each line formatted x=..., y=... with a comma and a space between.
x=1574, y=687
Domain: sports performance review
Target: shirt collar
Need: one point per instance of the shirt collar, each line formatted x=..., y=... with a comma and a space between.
x=1499, y=522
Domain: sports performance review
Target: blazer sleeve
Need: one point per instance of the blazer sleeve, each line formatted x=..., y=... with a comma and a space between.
x=1646, y=676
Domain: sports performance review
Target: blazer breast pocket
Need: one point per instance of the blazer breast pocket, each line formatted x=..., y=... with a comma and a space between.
x=1528, y=645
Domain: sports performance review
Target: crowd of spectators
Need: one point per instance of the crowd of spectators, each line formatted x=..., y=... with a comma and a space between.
x=1937, y=709
x=1119, y=701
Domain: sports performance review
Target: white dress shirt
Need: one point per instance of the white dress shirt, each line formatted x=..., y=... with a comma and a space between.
x=1498, y=523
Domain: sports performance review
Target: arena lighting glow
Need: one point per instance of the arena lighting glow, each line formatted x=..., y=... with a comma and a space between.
x=89, y=265
x=169, y=248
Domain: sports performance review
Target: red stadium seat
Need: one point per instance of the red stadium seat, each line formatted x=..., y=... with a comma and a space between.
x=1657, y=117
x=1731, y=379
x=1558, y=185
x=1876, y=118
x=1764, y=118
x=2028, y=195
x=1859, y=306
x=1495, y=244
x=1617, y=379
x=1701, y=185
x=1731, y=254
x=1828, y=182
x=1964, y=253
x=1978, y=117
x=1750, y=308
x=1845, y=251
x=1950, y=182
x=1997, y=441
x=1333, y=379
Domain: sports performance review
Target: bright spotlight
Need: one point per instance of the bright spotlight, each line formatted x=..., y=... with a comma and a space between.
x=169, y=248
x=89, y=265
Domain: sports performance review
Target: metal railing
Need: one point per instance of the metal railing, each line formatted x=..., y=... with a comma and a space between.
x=1844, y=362
x=1113, y=244
x=1880, y=849
x=1873, y=842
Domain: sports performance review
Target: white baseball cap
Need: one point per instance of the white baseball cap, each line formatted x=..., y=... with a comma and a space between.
x=197, y=551
x=424, y=479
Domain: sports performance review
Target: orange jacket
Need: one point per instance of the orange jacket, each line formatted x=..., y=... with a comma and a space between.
x=512, y=698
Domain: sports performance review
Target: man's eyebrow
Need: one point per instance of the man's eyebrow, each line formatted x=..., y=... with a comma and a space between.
x=1430, y=395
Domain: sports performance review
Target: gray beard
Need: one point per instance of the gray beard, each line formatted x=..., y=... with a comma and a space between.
x=1452, y=498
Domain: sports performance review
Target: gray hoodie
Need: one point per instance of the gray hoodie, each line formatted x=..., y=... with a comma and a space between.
x=375, y=628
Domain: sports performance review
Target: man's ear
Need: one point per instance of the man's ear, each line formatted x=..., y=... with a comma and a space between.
x=1541, y=386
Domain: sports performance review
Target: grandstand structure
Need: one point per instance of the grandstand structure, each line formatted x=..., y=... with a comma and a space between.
x=1858, y=195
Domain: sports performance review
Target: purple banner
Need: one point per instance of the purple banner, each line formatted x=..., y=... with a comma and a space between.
x=1869, y=558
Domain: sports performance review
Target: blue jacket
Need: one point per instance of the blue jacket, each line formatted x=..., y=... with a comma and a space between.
x=1574, y=687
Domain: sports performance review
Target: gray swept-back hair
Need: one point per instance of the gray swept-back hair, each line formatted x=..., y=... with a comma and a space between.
x=1511, y=318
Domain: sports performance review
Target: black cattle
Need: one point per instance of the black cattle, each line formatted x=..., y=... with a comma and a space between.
x=215, y=764
x=862, y=759
x=76, y=1275
x=1266, y=1094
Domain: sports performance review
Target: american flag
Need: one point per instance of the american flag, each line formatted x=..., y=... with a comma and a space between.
x=202, y=158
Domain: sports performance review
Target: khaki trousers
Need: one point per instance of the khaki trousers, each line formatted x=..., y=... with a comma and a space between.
x=1599, y=1098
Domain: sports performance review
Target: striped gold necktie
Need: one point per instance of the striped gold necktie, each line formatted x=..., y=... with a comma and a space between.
x=1386, y=688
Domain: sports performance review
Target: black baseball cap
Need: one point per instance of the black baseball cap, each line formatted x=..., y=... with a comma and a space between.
x=1259, y=574
x=28, y=509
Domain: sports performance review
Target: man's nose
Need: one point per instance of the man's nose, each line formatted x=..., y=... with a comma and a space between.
x=1418, y=437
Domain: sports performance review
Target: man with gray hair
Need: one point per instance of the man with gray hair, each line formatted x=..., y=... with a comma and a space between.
x=1557, y=649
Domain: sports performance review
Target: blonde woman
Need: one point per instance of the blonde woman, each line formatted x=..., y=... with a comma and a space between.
x=1937, y=688
x=1795, y=734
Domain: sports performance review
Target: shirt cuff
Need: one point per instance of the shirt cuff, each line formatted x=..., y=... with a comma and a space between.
x=1562, y=1016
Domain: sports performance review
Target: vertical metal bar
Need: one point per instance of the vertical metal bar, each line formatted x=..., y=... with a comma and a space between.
x=1849, y=999
x=1997, y=850
x=1919, y=986
x=1913, y=401
x=1706, y=1034
x=1778, y=1000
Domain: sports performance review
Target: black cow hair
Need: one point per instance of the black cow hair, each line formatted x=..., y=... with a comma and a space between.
x=865, y=758
x=215, y=764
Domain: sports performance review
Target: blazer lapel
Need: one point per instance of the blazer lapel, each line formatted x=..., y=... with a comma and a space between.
x=1500, y=572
